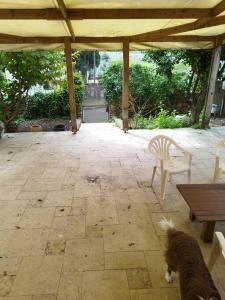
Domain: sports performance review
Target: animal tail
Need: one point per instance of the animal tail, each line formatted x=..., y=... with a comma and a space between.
x=166, y=224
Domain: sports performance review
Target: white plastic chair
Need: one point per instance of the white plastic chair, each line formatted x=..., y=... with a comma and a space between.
x=220, y=164
x=160, y=146
x=217, y=249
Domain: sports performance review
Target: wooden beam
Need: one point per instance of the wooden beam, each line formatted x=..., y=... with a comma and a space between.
x=182, y=28
x=173, y=38
x=204, y=22
x=120, y=39
x=31, y=14
x=191, y=13
x=218, y=9
x=219, y=39
x=14, y=39
x=99, y=14
x=125, y=99
x=135, y=13
x=211, y=85
x=63, y=10
x=70, y=81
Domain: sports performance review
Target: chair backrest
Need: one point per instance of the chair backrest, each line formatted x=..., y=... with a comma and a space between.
x=160, y=145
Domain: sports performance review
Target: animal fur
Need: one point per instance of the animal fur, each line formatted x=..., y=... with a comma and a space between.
x=184, y=255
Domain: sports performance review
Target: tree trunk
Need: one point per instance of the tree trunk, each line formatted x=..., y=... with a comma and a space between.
x=215, y=62
x=9, y=117
x=195, y=86
x=197, y=108
x=195, y=114
x=6, y=126
x=190, y=84
x=197, y=100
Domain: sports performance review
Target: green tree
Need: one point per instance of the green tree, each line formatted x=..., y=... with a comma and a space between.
x=112, y=83
x=56, y=103
x=164, y=61
x=147, y=89
x=85, y=62
x=19, y=71
x=199, y=64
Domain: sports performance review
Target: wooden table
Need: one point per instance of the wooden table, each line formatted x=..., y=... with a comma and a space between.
x=207, y=205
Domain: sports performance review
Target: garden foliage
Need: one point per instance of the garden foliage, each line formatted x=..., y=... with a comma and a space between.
x=163, y=119
x=19, y=71
x=147, y=88
x=54, y=103
x=198, y=63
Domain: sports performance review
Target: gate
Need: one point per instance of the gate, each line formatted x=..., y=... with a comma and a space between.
x=94, y=108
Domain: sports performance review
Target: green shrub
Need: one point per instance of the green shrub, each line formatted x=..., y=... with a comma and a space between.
x=147, y=89
x=140, y=122
x=196, y=126
x=112, y=83
x=54, y=104
x=164, y=119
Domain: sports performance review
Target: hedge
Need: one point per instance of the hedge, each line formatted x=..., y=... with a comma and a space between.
x=53, y=104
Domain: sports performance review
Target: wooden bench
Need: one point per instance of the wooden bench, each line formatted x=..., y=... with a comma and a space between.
x=207, y=205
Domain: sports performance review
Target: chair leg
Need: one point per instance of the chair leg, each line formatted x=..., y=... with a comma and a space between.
x=153, y=174
x=189, y=176
x=164, y=180
x=216, y=175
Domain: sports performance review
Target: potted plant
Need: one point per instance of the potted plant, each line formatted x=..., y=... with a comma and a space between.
x=36, y=128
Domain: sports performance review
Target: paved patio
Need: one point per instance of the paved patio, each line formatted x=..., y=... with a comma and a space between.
x=78, y=219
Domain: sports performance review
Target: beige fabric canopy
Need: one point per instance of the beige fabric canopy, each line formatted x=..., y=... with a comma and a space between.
x=102, y=25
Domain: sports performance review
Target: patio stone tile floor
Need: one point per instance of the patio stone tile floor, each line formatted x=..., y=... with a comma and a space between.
x=79, y=220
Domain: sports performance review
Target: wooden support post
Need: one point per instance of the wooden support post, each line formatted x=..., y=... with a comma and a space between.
x=70, y=81
x=211, y=85
x=125, y=99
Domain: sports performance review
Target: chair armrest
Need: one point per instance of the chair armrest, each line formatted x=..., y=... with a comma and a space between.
x=188, y=157
x=219, y=146
x=187, y=154
x=218, y=151
x=185, y=150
